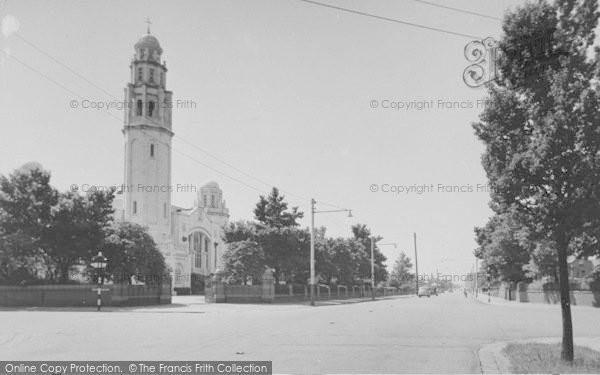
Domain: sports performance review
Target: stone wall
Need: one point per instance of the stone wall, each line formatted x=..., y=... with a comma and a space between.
x=220, y=292
x=536, y=294
x=83, y=295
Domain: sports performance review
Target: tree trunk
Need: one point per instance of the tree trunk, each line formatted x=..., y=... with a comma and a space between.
x=565, y=303
x=63, y=277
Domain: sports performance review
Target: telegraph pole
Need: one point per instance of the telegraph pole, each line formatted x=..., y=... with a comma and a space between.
x=372, y=270
x=416, y=264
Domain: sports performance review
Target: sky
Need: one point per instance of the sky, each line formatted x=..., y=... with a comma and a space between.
x=269, y=93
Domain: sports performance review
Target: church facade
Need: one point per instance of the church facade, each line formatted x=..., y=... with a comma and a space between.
x=189, y=238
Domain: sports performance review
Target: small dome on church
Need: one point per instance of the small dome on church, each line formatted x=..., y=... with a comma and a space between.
x=212, y=185
x=148, y=41
x=32, y=165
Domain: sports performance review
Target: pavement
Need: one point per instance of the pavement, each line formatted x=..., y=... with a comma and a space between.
x=484, y=298
x=443, y=334
x=493, y=361
x=491, y=358
x=196, y=304
x=498, y=301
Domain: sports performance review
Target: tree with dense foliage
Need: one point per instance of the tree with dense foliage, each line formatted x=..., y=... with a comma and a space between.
x=401, y=274
x=76, y=230
x=44, y=234
x=26, y=201
x=240, y=230
x=501, y=250
x=283, y=244
x=541, y=129
x=346, y=257
x=272, y=211
x=131, y=251
x=285, y=248
x=286, y=251
x=362, y=234
x=244, y=261
x=544, y=261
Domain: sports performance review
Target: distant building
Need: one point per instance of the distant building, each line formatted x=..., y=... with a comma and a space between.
x=189, y=238
x=580, y=268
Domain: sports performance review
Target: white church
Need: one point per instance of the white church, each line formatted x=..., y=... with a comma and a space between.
x=189, y=238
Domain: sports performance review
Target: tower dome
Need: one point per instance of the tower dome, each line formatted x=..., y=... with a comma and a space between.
x=211, y=184
x=148, y=41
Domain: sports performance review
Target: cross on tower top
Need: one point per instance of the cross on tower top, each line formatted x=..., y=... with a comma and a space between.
x=149, y=23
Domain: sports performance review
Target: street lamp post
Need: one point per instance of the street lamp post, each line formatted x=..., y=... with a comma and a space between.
x=312, y=252
x=99, y=263
x=312, y=245
x=373, y=264
x=416, y=264
x=372, y=269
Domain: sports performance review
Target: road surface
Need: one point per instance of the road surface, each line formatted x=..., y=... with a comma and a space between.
x=400, y=335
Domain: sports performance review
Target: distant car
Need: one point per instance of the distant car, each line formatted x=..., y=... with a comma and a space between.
x=424, y=291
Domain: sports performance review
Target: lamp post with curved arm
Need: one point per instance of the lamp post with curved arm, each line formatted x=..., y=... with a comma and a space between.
x=99, y=263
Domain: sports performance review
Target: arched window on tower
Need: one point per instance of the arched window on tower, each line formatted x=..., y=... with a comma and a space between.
x=197, y=248
x=152, y=150
x=206, y=245
x=139, y=107
x=215, y=257
x=151, y=76
x=140, y=75
x=150, y=108
x=212, y=200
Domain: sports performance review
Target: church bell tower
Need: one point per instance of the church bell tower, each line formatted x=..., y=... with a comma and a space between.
x=148, y=133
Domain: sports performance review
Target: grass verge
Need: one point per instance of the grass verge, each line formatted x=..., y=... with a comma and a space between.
x=534, y=358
